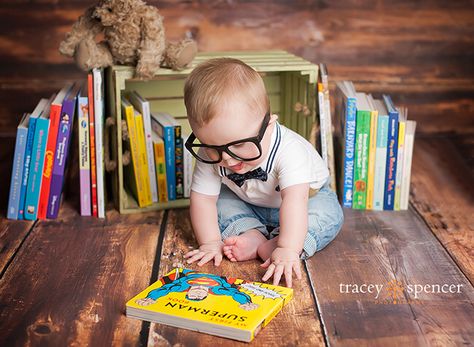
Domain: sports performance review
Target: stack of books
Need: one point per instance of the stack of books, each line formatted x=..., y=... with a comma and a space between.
x=376, y=142
x=160, y=171
x=42, y=149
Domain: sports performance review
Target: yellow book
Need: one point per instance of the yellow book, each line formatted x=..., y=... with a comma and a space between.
x=133, y=171
x=216, y=305
x=160, y=167
x=400, y=156
x=372, y=149
x=143, y=159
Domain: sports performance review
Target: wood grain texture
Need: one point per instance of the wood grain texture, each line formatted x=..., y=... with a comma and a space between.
x=420, y=52
x=380, y=248
x=443, y=194
x=297, y=323
x=69, y=282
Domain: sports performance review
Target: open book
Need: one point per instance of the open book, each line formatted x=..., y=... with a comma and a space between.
x=216, y=305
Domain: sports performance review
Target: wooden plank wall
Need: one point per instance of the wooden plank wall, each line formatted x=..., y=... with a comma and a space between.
x=421, y=52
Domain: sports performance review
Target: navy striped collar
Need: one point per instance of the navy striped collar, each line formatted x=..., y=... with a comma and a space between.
x=269, y=161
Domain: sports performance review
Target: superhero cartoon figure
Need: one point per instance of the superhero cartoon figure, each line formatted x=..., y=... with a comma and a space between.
x=198, y=286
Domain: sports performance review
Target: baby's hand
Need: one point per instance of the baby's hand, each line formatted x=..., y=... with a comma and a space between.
x=282, y=261
x=206, y=252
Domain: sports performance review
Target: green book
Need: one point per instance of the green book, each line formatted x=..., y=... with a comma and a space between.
x=361, y=158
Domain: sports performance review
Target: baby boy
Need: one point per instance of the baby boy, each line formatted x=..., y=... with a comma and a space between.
x=259, y=189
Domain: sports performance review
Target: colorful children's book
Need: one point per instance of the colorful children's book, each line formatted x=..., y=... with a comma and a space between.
x=84, y=152
x=28, y=154
x=143, y=106
x=54, y=116
x=90, y=96
x=374, y=113
x=143, y=161
x=361, y=158
x=179, y=165
x=392, y=153
x=347, y=122
x=98, y=78
x=407, y=160
x=133, y=172
x=380, y=155
x=163, y=124
x=33, y=189
x=62, y=151
x=401, y=151
x=216, y=305
x=160, y=166
x=17, y=170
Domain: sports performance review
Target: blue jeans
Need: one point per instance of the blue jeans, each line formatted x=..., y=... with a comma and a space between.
x=325, y=218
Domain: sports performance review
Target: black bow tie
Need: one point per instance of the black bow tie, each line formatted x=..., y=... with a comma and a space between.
x=239, y=179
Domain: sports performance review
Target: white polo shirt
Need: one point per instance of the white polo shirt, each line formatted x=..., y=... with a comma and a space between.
x=291, y=160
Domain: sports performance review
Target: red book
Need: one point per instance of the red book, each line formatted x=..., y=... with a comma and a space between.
x=90, y=94
x=54, y=115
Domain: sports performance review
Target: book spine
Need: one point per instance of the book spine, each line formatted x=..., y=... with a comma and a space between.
x=380, y=162
x=90, y=95
x=322, y=122
x=142, y=158
x=17, y=172
x=54, y=116
x=398, y=175
x=371, y=169
x=391, y=163
x=26, y=167
x=178, y=141
x=36, y=169
x=149, y=151
x=60, y=158
x=407, y=163
x=161, y=171
x=188, y=172
x=359, y=197
x=99, y=140
x=84, y=155
x=134, y=173
x=170, y=161
x=349, y=144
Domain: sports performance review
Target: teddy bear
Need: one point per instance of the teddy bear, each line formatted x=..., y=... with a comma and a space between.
x=133, y=35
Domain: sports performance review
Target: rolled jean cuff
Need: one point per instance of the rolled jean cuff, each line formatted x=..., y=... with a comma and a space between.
x=241, y=225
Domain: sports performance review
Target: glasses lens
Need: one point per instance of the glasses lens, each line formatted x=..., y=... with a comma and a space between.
x=212, y=154
x=245, y=150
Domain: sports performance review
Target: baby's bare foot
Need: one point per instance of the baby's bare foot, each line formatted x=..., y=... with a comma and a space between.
x=244, y=246
x=266, y=249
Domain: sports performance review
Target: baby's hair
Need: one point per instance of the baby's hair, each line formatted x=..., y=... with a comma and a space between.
x=215, y=81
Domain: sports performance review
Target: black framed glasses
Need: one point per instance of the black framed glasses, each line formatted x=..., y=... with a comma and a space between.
x=245, y=150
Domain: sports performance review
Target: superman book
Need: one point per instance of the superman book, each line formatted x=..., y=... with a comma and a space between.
x=216, y=305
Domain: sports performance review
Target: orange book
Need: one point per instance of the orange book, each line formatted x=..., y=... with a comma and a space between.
x=90, y=94
x=54, y=115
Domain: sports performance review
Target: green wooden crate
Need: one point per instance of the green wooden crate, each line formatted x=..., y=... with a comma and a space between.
x=290, y=81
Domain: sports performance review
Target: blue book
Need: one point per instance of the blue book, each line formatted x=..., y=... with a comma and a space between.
x=380, y=155
x=37, y=161
x=28, y=150
x=348, y=126
x=163, y=124
x=17, y=171
x=392, y=153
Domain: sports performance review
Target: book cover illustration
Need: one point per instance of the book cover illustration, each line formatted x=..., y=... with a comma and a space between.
x=216, y=305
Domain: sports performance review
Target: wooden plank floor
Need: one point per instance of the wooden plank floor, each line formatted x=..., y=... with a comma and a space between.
x=66, y=281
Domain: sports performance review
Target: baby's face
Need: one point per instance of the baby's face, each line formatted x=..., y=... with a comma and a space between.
x=235, y=121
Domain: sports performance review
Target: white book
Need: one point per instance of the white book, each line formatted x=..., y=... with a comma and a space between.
x=323, y=123
x=98, y=76
x=143, y=106
x=407, y=160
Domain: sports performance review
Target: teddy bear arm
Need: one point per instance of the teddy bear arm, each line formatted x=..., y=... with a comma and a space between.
x=152, y=45
x=86, y=27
